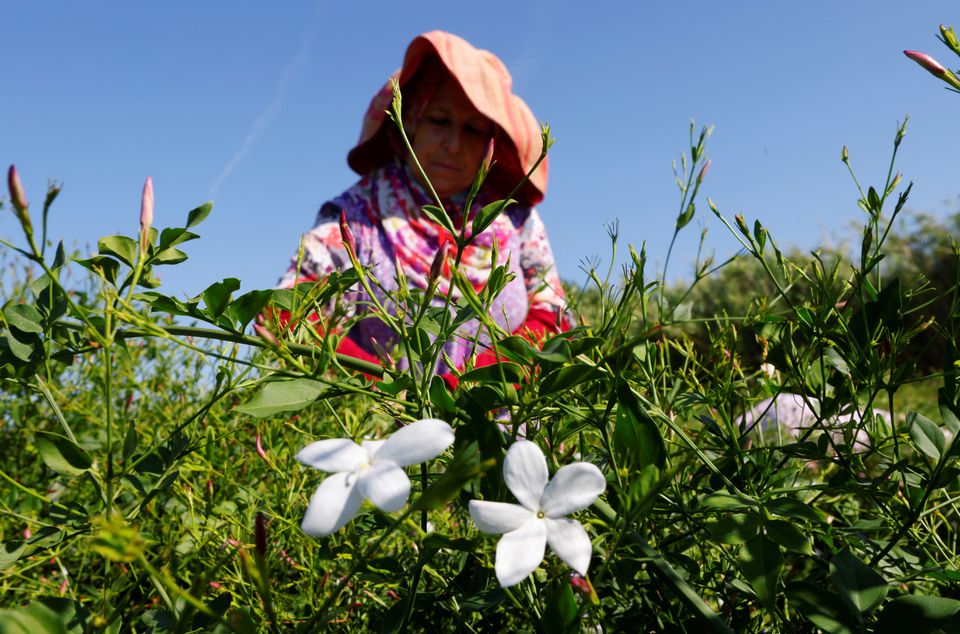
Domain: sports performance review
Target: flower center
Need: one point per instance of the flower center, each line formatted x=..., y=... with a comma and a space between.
x=540, y=515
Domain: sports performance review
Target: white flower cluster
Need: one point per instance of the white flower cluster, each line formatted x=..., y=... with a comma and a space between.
x=374, y=470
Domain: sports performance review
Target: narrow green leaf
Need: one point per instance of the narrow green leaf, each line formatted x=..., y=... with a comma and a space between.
x=62, y=454
x=440, y=217
x=488, y=214
x=283, y=395
x=725, y=500
x=102, y=265
x=198, y=215
x=171, y=255
x=926, y=435
x=566, y=377
x=512, y=373
x=792, y=507
x=636, y=438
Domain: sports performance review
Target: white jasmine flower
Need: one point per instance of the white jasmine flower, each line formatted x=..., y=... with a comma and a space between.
x=371, y=471
x=539, y=518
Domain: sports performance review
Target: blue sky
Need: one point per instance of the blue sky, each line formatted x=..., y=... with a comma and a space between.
x=255, y=105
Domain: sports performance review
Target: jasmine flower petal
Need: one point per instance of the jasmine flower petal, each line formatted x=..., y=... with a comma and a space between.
x=525, y=472
x=520, y=551
x=333, y=504
x=572, y=488
x=417, y=442
x=386, y=485
x=332, y=455
x=498, y=517
x=570, y=542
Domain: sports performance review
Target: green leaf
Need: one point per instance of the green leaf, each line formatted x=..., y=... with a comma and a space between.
x=171, y=255
x=102, y=265
x=918, y=614
x=567, y=377
x=948, y=411
x=761, y=563
x=10, y=552
x=245, y=308
x=636, y=437
x=62, y=454
x=198, y=215
x=725, y=500
x=792, y=507
x=283, y=395
x=560, y=612
x=216, y=297
x=21, y=346
x=24, y=318
x=171, y=237
x=512, y=373
x=821, y=607
x=735, y=528
x=121, y=247
x=488, y=214
x=684, y=218
x=789, y=536
x=859, y=585
x=926, y=435
x=440, y=217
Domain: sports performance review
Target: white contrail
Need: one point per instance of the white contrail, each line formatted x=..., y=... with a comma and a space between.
x=306, y=42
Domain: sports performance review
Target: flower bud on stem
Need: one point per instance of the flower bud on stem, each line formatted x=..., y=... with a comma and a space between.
x=18, y=199
x=934, y=67
x=146, y=213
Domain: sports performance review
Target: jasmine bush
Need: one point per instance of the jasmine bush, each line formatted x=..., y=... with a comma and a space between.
x=156, y=457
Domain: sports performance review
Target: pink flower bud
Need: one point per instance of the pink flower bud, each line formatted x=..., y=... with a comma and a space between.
x=488, y=156
x=385, y=359
x=345, y=234
x=932, y=65
x=17, y=196
x=146, y=206
x=260, y=451
x=18, y=199
x=703, y=171
x=436, y=268
x=266, y=335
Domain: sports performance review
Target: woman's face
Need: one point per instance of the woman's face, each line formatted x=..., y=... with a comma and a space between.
x=450, y=139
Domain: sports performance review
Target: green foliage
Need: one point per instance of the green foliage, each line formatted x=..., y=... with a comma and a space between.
x=148, y=443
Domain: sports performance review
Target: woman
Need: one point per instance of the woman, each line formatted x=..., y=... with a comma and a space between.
x=456, y=98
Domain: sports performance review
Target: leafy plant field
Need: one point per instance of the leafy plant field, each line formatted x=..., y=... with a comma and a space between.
x=179, y=465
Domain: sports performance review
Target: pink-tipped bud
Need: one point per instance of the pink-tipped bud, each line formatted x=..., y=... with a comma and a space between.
x=703, y=171
x=488, y=156
x=932, y=65
x=582, y=586
x=385, y=359
x=345, y=234
x=260, y=451
x=146, y=212
x=18, y=198
x=260, y=535
x=266, y=335
x=439, y=260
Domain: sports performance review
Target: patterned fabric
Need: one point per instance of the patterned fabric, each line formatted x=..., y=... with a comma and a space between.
x=383, y=212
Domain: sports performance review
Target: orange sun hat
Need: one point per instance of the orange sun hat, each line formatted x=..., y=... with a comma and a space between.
x=488, y=85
